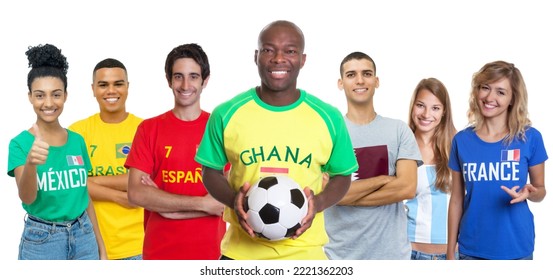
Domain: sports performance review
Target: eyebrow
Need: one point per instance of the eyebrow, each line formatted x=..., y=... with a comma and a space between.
x=362, y=71
x=189, y=74
x=488, y=85
x=42, y=91
x=103, y=81
x=418, y=101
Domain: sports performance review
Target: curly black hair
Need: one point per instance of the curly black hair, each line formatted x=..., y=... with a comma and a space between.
x=46, y=61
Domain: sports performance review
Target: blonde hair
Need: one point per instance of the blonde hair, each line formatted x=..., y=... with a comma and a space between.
x=517, y=120
x=443, y=134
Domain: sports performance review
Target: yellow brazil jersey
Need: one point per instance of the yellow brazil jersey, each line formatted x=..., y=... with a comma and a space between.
x=108, y=146
x=300, y=140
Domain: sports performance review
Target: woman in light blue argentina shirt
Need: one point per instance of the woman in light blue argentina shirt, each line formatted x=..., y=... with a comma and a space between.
x=431, y=121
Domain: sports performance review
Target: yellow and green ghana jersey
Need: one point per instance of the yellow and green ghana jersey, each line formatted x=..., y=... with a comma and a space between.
x=300, y=140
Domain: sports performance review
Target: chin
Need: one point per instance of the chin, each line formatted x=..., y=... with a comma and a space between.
x=426, y=128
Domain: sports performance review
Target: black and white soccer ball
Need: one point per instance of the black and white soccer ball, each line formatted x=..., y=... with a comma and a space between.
x=275, y=206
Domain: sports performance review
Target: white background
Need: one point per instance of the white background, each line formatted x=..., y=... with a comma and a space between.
x=409, y=40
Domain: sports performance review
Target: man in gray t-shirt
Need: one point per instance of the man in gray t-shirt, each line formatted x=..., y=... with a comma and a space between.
x=370, y=221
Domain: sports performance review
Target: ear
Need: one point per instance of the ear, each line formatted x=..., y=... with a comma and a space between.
x=340, y=84
x=255, y=56
x=303, y=58
x=30, y=95
x=204, y=83
x=377, y=82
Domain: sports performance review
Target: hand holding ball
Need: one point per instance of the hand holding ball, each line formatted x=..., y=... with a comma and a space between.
x=275, y=205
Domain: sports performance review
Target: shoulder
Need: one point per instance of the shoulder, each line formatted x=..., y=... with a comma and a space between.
x=132, y=117
x=533, y=134
x=204, y=115
x=83, y=122
x=74, y=135
x=153, y=120
x=465, y=132
x=326, y=110
x=391, y=123
x=315, y=101
x=532, y=131
x=236, y=101
x=227, y=108
x=23, y=136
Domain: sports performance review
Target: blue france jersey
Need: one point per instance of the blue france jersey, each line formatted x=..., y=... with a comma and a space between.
x=491, y=227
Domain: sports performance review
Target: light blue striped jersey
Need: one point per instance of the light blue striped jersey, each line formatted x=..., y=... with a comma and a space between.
x=427, y=212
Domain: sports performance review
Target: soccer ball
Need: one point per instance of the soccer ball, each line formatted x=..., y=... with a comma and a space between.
x=275, y=206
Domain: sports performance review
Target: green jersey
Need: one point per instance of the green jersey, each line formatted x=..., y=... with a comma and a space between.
x=62, y=193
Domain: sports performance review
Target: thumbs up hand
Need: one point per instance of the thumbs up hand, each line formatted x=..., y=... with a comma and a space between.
x=39, y=151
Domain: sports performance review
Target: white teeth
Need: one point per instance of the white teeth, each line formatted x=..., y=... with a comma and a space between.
x=360, y=90
x=112, y=100
x=489, y=106
x=279, y=72
x=48, y=112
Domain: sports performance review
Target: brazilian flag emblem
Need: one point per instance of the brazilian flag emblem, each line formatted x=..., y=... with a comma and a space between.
x=122, y=150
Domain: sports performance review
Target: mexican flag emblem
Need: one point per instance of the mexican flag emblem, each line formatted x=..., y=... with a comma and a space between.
x=75, y=160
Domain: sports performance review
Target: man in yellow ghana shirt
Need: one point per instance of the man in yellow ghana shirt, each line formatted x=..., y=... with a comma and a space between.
x=276, y=126
x=108, y=136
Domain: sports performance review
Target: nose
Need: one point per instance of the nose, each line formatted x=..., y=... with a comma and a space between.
x=488, y=97
x=278, y=57
x=486, y=94
x=185, y=83
x=48, y=101
x=111, y=88
x=359, y=79
x=426, y=112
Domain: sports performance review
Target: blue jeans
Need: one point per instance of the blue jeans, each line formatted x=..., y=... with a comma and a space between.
x=70, y=240
x=470, y=258
x=133, y=258
x=420, y=256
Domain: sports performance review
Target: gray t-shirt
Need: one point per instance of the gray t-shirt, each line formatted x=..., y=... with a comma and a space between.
x=375, y=232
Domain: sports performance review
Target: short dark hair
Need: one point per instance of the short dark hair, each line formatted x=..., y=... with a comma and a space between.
x=109, y=63
x=191, y=50
x=356, y=56
x=46, y=61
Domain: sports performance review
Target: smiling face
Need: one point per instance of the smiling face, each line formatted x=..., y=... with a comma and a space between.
x=187, y=82
x=47, y=97
x=359, y=81
x=280, y=57
x=427, y=111
x=111, y=88
x=494, y=99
